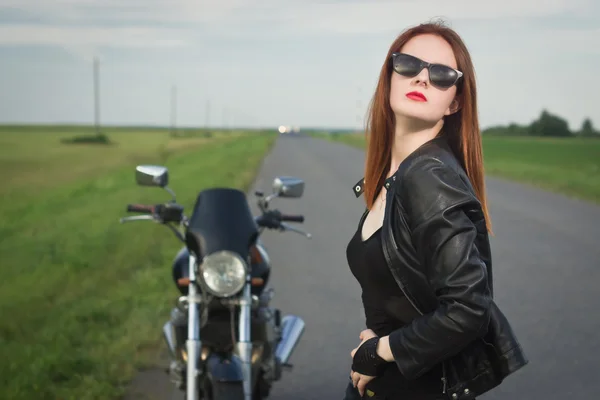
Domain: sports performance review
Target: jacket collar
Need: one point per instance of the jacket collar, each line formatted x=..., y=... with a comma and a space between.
x=359, y=187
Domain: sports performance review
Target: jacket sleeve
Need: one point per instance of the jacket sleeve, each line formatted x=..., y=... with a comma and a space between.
x=442, y=214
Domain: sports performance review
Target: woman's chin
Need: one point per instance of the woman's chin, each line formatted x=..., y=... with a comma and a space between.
x=416, y=118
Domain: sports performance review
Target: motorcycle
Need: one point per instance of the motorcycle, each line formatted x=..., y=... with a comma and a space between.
x=222, y=272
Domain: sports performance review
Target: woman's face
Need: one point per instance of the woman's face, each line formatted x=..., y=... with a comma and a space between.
x=427, y=103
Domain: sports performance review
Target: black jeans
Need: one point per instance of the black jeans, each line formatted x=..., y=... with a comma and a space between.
x=353, y=394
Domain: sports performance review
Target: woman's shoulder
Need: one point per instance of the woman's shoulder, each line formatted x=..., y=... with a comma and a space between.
x=432, y=180
x=435, y=156
x=425, y=172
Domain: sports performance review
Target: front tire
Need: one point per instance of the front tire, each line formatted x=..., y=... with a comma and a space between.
x=227, y=391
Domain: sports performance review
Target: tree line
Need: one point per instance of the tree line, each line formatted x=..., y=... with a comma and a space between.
x=548, y=124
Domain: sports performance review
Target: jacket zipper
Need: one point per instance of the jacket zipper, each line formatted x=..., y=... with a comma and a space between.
x=401, y=286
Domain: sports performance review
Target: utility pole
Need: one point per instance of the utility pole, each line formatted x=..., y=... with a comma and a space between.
x=173, y=109
x=97, y=95
x=207, y=114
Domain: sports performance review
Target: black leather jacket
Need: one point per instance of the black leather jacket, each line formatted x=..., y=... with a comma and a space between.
x=436, y=245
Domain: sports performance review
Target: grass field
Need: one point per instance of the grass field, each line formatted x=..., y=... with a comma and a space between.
x=82, y=297
x=566, y=165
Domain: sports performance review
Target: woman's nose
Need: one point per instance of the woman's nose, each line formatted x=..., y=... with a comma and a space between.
x=422, y=78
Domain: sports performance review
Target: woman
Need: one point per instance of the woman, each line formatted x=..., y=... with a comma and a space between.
x=421, y=251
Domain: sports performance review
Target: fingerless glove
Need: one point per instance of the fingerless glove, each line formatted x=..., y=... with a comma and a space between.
x=366, y=361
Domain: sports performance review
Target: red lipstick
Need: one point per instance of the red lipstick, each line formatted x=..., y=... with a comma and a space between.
x=416, y=96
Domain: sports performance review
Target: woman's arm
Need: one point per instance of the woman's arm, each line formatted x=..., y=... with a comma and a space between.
x=439, y=207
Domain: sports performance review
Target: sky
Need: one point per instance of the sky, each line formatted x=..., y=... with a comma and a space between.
x=281, y=62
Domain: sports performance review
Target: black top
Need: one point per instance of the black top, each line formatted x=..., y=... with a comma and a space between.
x=386, y=309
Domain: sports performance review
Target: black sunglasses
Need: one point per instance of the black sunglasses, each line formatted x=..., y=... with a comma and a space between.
x=440, y=75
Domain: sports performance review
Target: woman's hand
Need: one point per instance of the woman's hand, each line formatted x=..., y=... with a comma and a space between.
x=364, y=336
x=358, y=380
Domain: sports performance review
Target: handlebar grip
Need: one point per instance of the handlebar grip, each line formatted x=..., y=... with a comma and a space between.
x=292, y=218
x=140, y=208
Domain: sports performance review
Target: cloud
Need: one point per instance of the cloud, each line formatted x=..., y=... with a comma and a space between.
x=25, y=34
x=383, y=16
x=146, y=20
x=86, y=27
x=135, y=11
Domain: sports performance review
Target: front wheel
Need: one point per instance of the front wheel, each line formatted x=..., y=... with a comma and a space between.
x=227, y=391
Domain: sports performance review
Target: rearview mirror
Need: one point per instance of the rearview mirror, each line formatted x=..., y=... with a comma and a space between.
x=288, y=186
x=152, y=175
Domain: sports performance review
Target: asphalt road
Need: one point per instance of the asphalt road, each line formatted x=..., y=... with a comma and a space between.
x=546, y=256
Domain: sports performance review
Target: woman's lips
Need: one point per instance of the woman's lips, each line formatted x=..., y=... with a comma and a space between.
x=416, y=96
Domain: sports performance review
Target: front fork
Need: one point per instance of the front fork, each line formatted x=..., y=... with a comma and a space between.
x=245, y=341
x=193, y=343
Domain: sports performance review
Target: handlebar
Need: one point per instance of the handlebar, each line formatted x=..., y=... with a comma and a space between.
x=169, y=212
x=292, y=218
x=161, y=213
x=273, y=219
x=173, y=212
x=140, y=208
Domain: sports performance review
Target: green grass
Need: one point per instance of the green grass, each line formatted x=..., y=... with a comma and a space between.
x=565, y=165
x=570, y=166
x=82, y=297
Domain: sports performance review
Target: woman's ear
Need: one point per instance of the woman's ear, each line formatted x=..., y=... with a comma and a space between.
x=454, y=106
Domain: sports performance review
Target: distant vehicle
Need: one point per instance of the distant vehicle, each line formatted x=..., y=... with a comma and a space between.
x=289, y=129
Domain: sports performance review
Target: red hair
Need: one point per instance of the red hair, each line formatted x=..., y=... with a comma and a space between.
x=461, y=128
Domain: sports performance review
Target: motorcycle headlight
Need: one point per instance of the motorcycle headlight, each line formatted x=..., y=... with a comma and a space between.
x=224, y=273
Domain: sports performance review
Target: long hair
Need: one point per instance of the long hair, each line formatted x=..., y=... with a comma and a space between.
x=461, y=128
